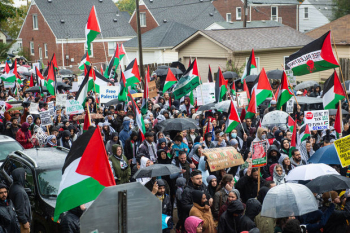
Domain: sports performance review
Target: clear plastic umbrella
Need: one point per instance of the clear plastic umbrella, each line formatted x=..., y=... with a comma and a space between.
x=224, y=105
x=288, y=200
x=305, y=84
x=273, y=118
x=310, y=172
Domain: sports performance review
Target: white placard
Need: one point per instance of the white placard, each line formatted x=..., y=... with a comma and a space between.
x=37, y=64
x=51, y=108
x=45, y=118
x=290, y=106
x=61, y=100
x=80, y=79
x=75, y=87
x=208, y=91
x=33, y=108
x=74, y=107
x=108, y=93
x=317, y=120
x=8, y=84
x=242, y=99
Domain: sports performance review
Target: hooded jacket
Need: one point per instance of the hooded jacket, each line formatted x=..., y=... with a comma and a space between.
x=125, y=133
x=122, y=169
x=8, y=218
x=253, y=208
x=19, y=197
x=70, y=222
x=270, y=160
x=258, y=138
x=229, y=223
x=192, y=223
x=205, y=172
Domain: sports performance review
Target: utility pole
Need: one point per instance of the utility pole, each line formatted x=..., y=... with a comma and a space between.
x=245, y=13
x=139, y=38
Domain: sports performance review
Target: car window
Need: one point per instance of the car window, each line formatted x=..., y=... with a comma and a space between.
x=29, y=179
x=7, y=147
x=49, y=182
x=13, y=164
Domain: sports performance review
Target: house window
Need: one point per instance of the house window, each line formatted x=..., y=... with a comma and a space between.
x=31, y=48
x=143, y=19
x=45, y=49
x=257, y=60
x=35, y=22
x=111, y=48
x=40, y=53
x=228, y=17
x=306, y=13
x=274, y=13
x=238, y=13
x=92, y=49
x=19, y=44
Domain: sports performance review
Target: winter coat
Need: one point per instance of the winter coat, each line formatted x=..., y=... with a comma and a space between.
x=203, y=213
x=270, y=160
x=167, y=208
x=145, y=151
x=337, y=221
x=253, y=208
x=70, y=222
x=8, y=218
x=228, y=223
x=220, y=199
x=125, y=133
x=19, y=197
x=265, y=224
x=248, y=187
x=21, y=138
x=123, y=175
x=192, y=223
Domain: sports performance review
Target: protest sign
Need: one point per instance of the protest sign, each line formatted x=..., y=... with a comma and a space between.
x=152, y=89
x=75, y=87
x=61, y=100
x=33, y=108
x=259, y=153
x=317, y=120
x=45, y=118
x=8, y=84
x=290, y=106
x=51, y=108
x=208, y=91
x=73, y=107
x=342, y=146
x=37, y=64
x=221, y=158
x=242, y=99
x=108, y=93
x=137, y=95
x=2, y=107
x=292, y=79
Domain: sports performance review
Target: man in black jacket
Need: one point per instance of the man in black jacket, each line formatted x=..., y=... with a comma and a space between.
x=70, y=222
x=20, y=199
x=8, y=218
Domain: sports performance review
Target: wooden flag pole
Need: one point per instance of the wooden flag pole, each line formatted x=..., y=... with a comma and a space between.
x=341, y=119
x=239, y=120
x=290, y=85
x=258, y=179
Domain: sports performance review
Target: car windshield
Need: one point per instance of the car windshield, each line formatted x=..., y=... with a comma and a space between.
x=7, y=147
x=49, y=182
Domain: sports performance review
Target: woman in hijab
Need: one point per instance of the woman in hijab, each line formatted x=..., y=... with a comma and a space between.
x=186, y=106
x=212, y=184
x=203, y=167
x=278, y=136
x=232, y=196
x=23, y=136
x=279, y=175
x=145, y=162
x=73, y=135
x=65, y=140
x=51, y=141
x=120, y=165
x=162, y=157
x=195, y=154
x=285, y=146
x=114, y=140
x=284, y=161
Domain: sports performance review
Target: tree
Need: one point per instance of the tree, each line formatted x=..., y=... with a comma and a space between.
x=126, y=5
x=7, y=10
x=13, y=25
x=341, y=8
x=233, y=66
x=4, y=48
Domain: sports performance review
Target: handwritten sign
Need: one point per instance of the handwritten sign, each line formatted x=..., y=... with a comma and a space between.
x=61, y=100
x=45, y=118
x=259, y=153
x=317, y=120
x=342, y=146
x=33, y=108
x=242, y=99
x=208, y=91
x=290, y=106
x=108, y=93
x=74, y=107
x=224, y=157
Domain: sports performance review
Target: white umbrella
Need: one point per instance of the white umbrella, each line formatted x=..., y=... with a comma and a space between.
x=22, y=69
x=310, y=172
x=225, y=105
x=288, y=200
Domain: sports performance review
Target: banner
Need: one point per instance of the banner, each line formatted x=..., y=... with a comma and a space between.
x=108, y=93
x=33, y=108
x=208, y=91
x=73, y=107
x=290, y=106
x=242, y=99
x=8, y=84
x=342, y=146
x=51, y=108
x=61, y=100
x=317, y=120
x=45, y=118
x=223, y=157
x=259, y=153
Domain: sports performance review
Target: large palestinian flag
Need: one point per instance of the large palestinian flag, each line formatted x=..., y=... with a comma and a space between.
x=170, y=80
x=333, y=92
x=10, y=74
x=284, y=94
x=304, y=133
x=132, y=74
x=233, y=120
x=252, y=107
x=220, y=86
x=85, y=173
x=85, y=60
x=51, y=80
x=100, y=80
x=314, y=57
x=251, y=64
x=189, y=81
x=262, y=87
x=92, y=29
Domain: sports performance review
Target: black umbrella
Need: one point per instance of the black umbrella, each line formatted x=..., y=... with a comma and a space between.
x=251, y=78
x=333, y=112
x=179, y=124
x=209, y=106
x=61, y=85
x=10, y=55
x=36, y=89
x=65, y=72
x=164, y=71
x=157, y=170
x=179, y=65
x=274, y=74
x=230, y=75
x=328, y=183
x=112, y=102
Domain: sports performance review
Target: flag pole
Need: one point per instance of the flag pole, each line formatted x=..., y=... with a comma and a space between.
x=290, y=85
x=239, y=118
x=104, y=47
x=94, y=91
x=341, y=119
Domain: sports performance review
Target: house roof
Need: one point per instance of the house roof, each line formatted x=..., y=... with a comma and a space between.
x=167, y=35
x=75, y=14
x=340, y=30
x=251, y=24
x=271, y=2
x=245, y=39
x=198, y=14
x=324, y=6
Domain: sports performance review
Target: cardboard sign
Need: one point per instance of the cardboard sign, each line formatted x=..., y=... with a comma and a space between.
x=208, y=91
x=45, y=118
x=259, y=153
x=317, y=120
x=290, y=106
x=74, y=107
x=61, y=100
x=223, y=157
x=242, y=99
x=137, y=95
x=152, y=89
x=342, y=146
x=51, y=108
x=108, y=93
x=33, y=108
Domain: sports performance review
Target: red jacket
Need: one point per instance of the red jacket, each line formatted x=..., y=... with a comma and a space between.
x=21, y=138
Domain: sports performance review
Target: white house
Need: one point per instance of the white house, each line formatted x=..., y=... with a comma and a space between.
x=314, y=14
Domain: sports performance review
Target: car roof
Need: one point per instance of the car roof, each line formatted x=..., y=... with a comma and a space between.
x=6, y=138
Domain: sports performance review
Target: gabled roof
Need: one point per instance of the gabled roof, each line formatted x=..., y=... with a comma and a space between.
x=340, y=30
x=251, y=24
x=271, y=2
x=75, y=14
x=167, y=35
x=198, y=14
x=324, y=6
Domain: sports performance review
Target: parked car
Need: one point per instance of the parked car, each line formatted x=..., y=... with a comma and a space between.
x=7, y=145
x=43, y=167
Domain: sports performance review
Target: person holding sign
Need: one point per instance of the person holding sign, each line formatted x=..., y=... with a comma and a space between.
x=24, y=136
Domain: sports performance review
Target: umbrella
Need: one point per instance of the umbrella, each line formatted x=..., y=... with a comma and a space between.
x=305, y=84
x=163, y=67
x=310, y=172
x=250, y=78
x=230, y=75
x=224, y=105
x=328, y=183
x=326, y=155
x=92, y=116
x=22, y=69
x=179, y=124
x=276, y=117
x=112, y=102
x=36, y=89
x=179, y=65
x=209, y=106
x=333, y=112
x=288, y=200
x=157, y=170
x=308, y=100
x=274, y=74
x=10, y=55
x=162, y=72
x=61, y=85
x=65, y=72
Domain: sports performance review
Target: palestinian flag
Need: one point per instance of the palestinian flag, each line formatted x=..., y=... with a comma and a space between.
x=31, y=82
x=290, y=123
x=338, y=124
x=252, y=107
x=122, y=52
x=92, y=78
x=7, y=68
x=85, y=60
x=87, y=120
x=246, y=89
x=251, y=64
x=190, y=80
x=15, y=89
x=132, y=74
x=220, y=86
x=83, y=89
x=139, y=119
x=51, y=80
x=243, y=114
x=262, y=87
x=259, y=124
x=144, y=105
x=304, y=133
x=233, y=88
x=102, y=72
x=293, y=143
x=39, y=78
x=100, y=80
x=189, y=62
x=123, y=91
x=333, y=92
x=10, y=76
x=114, y=62
x=210, y=77
x=285, y=94
x=314, y=57
x=85, y=173
x=233, y=120
x=192, y=101
x=170, y=80
x=92, y=29
x=54, y=61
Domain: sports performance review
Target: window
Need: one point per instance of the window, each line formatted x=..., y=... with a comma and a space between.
x=35, y=22
x=228, y=17
x=40, y=53
x=143, y=19
x=257, y=60
x=92, y=50
x=111, y=48
x=306, y=13
x=45, y=49
x=19, y=44
x=274, y=13
x=31, y=48
x=238, y=13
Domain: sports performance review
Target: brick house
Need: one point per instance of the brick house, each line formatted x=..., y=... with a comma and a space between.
x=53, y=26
